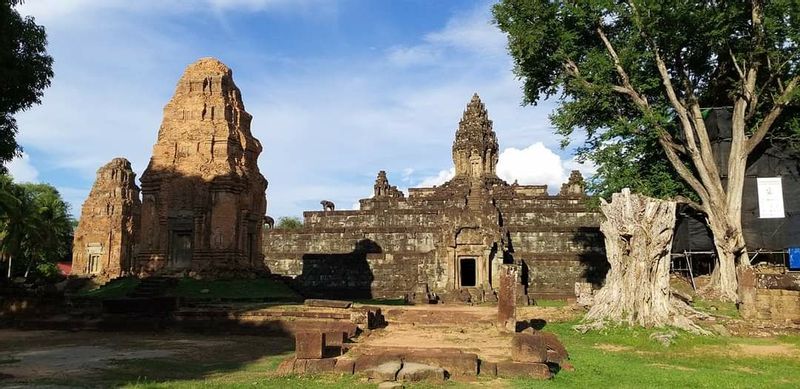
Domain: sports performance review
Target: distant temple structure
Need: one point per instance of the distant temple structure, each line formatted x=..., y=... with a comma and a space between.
x=449, y=240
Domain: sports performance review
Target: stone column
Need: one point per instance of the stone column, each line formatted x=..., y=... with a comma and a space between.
x=507, y=298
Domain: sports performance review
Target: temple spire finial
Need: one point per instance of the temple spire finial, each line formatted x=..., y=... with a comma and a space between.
x=475, y=149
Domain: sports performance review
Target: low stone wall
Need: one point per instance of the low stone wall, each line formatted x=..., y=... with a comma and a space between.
x=770, y=295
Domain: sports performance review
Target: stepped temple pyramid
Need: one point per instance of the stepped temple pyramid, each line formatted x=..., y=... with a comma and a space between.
x=448, y=240
x=203, y=212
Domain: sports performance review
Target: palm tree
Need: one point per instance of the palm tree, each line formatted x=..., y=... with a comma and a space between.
x=35, y=223
x=20, y=225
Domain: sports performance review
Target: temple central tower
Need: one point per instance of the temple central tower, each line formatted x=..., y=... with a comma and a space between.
x=475, y=147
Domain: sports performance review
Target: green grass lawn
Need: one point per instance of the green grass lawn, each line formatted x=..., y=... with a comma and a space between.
x=256, y=288
x=113, y=289
x=628, y=358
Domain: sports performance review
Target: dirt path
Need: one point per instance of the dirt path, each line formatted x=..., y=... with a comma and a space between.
x=28, y=356
x=468, y=328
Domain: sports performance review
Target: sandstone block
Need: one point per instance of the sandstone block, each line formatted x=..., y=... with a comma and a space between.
x=528, y=348
x=415, y=372
x=556, y=352
x=507, y=298
x=328, y=303
x=344, y=366
x=309, y=345
x=334, y=338
x=511, y=369
x=488, y=368
x=456, y=363
x=384, y=372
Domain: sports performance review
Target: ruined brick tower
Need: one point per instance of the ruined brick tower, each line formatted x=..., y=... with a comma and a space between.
x=105, y=238
x=203, y=200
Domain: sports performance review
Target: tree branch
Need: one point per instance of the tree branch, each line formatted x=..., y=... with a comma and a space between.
x=781, y=103
x=626, y=81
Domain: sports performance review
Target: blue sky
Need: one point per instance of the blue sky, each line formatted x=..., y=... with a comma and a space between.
x=338, y=91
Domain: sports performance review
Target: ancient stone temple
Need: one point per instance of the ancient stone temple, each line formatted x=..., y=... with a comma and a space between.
x=203, y=200
x=105, y=239
x=450, y=240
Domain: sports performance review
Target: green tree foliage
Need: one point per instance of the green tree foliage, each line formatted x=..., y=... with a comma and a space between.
x=558, y=52
x=289, y=223
x=636, y=76
x=25, y=71
x=35, y=225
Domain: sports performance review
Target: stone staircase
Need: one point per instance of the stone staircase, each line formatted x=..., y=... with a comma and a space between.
x=153, y=287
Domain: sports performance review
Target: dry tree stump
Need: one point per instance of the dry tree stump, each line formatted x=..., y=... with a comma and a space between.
x=638, y=234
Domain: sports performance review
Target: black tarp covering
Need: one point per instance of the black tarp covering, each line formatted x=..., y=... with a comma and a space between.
x=691, y=233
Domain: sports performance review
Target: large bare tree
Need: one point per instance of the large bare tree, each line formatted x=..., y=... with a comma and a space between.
x=637, y=76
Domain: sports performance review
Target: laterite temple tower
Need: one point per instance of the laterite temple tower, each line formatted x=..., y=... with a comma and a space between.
x=203, y=200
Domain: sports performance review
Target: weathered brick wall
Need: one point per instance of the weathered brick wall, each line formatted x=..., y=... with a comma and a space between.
x=770, y=295
x=559, y=243
x=362, y=262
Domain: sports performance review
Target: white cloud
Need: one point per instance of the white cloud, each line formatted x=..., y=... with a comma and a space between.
x=65, y=11
x=470, y=32
x=21, y=169
x=439, y=179
x=533, y=165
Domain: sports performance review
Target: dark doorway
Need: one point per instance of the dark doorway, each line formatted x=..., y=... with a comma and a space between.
x=181, y=249
x=468, y=276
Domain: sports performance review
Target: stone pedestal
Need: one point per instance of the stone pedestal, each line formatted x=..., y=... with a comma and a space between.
x=507, y=298
x=309, y=345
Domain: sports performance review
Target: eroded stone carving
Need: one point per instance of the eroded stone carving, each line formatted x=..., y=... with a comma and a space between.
x=203, y=198
x=383, y=189
x=575, y=186
x=105, y=239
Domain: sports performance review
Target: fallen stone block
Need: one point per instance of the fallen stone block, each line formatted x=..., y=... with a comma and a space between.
x=528, y=348
x=385, y=372
x=415, y=372
x=334, y=338
x=328, y=303
x=314, y=366
x=488, y=368
x=306, y=366
x=510, y=369
x=556, y=352
x=369, y=361
x=456, y=363
x=309, y=345
x=344, y=366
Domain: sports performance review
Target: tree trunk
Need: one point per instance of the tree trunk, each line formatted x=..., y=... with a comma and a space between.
x=730, y=248
x=638, y=235
x=28, y=268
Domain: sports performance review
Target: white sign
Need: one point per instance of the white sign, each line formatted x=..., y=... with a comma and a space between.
x=770, y=197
